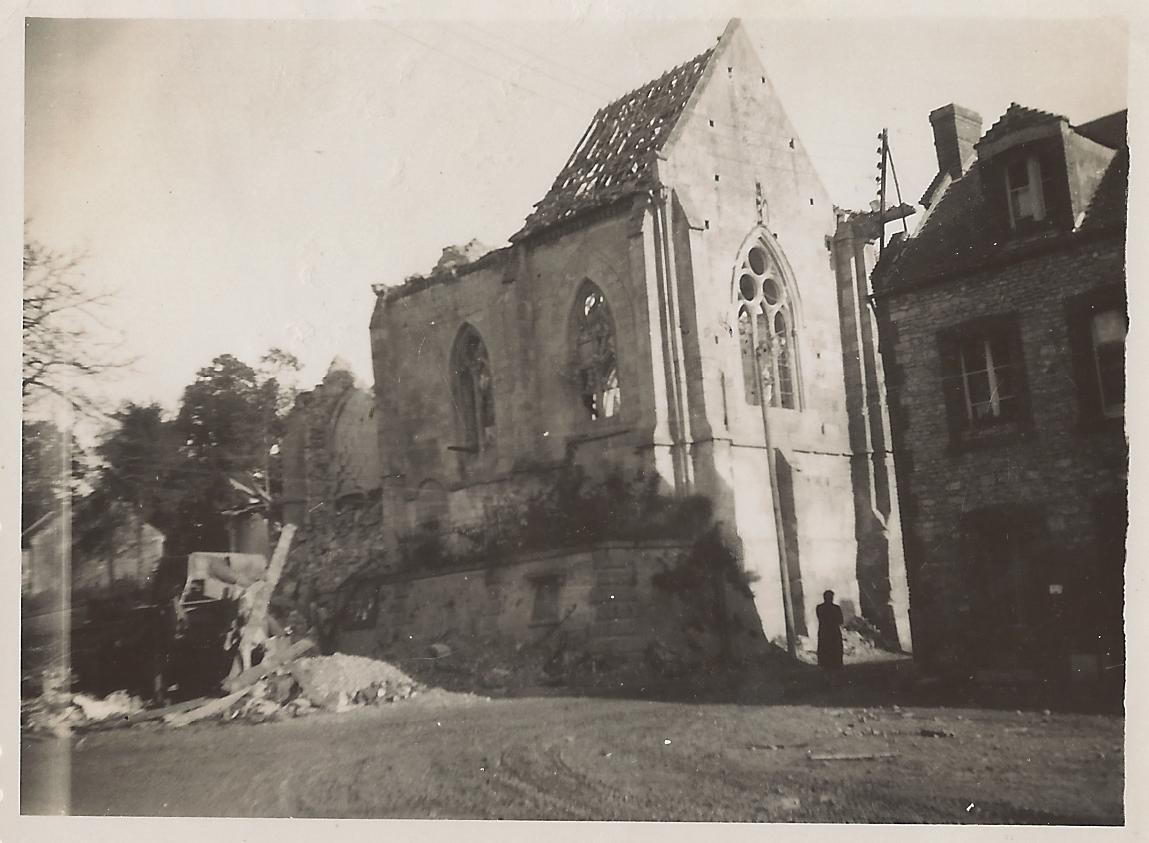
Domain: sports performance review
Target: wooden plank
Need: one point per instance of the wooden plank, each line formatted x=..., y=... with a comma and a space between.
x=256, y=600
x=254, y=674
x=217, y=706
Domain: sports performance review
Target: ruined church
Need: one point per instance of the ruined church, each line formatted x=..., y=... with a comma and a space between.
x=664, y=393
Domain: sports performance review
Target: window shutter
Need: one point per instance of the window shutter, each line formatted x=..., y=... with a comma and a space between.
x=953, y=393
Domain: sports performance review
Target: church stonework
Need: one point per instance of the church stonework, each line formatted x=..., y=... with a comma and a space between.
x=683, y=298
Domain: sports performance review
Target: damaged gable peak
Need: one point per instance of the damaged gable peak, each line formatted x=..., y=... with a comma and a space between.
x=340, y=373
x=615, y=156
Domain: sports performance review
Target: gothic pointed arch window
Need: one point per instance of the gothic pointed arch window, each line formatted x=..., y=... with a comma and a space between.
x=596, y=363
x=766, y=329
x=474, y=391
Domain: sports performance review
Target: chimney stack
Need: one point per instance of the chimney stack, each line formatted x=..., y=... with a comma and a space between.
x=956, y=130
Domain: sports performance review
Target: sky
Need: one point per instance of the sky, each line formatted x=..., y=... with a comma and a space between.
x=242, y=184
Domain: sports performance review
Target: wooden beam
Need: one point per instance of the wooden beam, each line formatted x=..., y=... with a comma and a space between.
x=254, y=674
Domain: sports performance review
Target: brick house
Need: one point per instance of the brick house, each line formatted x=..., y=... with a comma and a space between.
x=681, y=306
x=1002, y=322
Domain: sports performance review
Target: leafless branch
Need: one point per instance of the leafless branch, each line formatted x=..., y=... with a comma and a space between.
x=65, y=337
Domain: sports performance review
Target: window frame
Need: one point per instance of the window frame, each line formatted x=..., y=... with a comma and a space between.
x=757, y=315
x=478, y=439
x=1035, y=184
x=1081, y=310
x=967, y=431
x=581, y=316
x=1109, y=409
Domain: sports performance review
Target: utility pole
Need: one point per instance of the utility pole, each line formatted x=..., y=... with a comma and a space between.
x=887, y=162
x=884, y=151
x=766, y=378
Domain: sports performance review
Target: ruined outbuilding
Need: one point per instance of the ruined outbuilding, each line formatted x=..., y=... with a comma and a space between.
x=331, y=484
x=574, y=430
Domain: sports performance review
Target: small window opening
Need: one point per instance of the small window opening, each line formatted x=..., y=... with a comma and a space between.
x=545, y=610
x=474, y=387
x=1023, y=179
x=1107, y=331
x=596, y=360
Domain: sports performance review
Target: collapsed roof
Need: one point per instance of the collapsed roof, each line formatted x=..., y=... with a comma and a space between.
x=615, y=155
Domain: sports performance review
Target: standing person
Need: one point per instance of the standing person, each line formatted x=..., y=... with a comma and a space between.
x=829, y=633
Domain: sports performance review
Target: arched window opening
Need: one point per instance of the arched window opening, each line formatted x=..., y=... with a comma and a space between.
x=475, y=399
x=595, y=360
x=766, y=331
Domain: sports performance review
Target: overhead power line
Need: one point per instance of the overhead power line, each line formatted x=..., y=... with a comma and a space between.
x=487, y=72
x=597, y=96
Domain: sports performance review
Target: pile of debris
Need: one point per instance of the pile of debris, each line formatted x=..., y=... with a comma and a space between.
x=279, y=687
x=58, y=713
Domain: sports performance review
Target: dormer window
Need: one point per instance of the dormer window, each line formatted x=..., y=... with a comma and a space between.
x=1023, y=182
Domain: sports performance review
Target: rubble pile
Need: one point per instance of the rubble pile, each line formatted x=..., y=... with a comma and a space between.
x=340, y=680
x=58, y=712
x=323, y=683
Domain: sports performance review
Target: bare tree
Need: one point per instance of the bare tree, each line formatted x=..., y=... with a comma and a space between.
x=65, y=340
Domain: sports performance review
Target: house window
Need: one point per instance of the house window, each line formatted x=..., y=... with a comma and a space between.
x=1097, y=322
x=474, y=393
x=988, y=386
x=1107, y=332
x=983, y=377
x=596, y=361
x=766, y=331
x=1023, y=182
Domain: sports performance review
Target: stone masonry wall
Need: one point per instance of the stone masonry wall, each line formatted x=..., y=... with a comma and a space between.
x=1060, y=467
x=332, y=486
x=606, y=600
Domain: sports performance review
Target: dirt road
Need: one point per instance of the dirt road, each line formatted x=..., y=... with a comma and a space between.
x=452, y=756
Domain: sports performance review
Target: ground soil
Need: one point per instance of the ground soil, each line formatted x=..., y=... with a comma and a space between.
x=744, y=755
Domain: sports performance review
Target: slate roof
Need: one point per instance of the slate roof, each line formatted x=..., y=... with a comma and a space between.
x=1110, y=204
x=956, y=235
x=614, y=159
x=1109, y=130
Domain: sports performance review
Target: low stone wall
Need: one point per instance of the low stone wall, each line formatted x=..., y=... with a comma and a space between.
x=602, y=596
